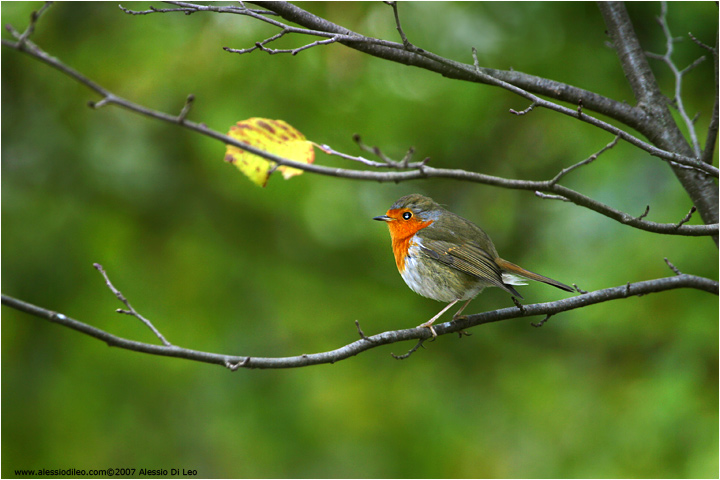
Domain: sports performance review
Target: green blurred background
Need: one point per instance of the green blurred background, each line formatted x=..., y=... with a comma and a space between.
x=622, y=389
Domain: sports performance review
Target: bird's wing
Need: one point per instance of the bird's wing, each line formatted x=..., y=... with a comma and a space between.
x=468, y=258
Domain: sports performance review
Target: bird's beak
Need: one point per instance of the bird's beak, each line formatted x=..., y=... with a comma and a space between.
x=384, y=218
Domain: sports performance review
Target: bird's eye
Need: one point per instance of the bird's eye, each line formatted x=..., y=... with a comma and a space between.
x=407, y=215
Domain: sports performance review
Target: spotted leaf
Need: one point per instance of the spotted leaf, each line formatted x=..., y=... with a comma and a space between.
x=273, y=136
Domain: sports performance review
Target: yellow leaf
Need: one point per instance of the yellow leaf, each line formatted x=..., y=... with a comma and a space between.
x=273, y=136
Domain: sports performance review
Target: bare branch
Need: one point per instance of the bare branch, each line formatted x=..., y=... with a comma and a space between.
x=672, y=267
x=659, y=125
x=331, y=151
x=34, y=17
x=292, y=51
x=645, y=213
x=545, y=196
x=587, y=161
x=234, y=366
x=360, y=332
x=186, y=108
x=703, y=45
x=462, y=323
x=422, y=171
x=687, y=217
x=708, y=154
x=523, y=112
x=670, y=144
x=387, y=162
x=261, y=15
x=449, y=68
x=678, y=74
x=541, y=322
x=537, y=101
x=411, y=351
x=186, y=11
x=130, y=310
x=404, y=39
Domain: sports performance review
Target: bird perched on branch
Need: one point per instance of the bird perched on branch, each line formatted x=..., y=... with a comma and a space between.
x=445, y=257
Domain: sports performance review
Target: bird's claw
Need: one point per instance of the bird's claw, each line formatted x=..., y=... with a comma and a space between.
x=432, y=330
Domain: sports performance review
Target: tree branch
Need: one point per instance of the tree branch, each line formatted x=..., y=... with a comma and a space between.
x=632, y=58
x=416, y=56
x=678, y=74
x=234, y=362
x=660, y=126
x=130, y=310
x=517, y=82
x=523, y=83
x=708, y=155
x=651, y=116
x=407, y=171
x=398, y=52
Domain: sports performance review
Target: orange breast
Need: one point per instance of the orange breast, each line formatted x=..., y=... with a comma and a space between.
x=402, y=232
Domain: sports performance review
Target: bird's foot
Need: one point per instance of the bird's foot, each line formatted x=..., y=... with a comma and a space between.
x=461, y=333
x=429, y=325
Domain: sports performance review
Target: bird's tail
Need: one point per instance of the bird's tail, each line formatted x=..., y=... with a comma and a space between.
x=511, y=270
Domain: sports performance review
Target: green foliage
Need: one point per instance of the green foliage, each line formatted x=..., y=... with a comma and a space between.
x=622, y=389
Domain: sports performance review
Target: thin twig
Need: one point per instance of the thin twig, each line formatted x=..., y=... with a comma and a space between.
x=331, y=151
x=587, y=161
x=678, y=74
x=234, y=365
x=547, y=196
x=541, y=322
x=703, y=45
x=409, y=352
x=537, y=101
x=523, y=112
x=708, y=154
x=186, y=108
x=130, y=310
x=34, y=17
x=549, y=191
x=292, y=51
x=399, y=28
x=385, y=338
x=673, y=267
x=187, y=9
x=454, y=69
x=361, y=333
x=387, y=161
x=687, y=217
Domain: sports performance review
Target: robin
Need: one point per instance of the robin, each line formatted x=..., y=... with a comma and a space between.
x=445, y=257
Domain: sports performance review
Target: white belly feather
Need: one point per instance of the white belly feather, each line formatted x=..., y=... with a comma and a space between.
x=425, y=280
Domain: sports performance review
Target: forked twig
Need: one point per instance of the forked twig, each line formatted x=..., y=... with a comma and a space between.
x=414, y=170
x=587, y=161
x=678, y=74
x=130, y=310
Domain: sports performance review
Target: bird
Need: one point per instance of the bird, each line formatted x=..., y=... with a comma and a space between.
x=446, y=257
